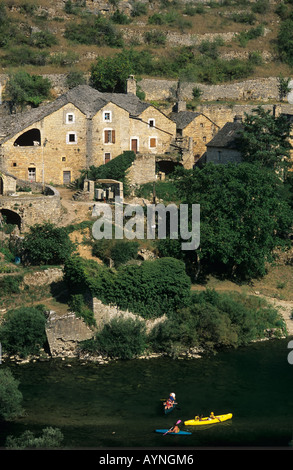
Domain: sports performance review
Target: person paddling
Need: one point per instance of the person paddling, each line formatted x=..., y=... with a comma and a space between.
x=170, y=402
x=174, y=429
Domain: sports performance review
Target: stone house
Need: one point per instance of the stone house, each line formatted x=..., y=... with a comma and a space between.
x=82, y=127
x=223, y=147
x=193, y=132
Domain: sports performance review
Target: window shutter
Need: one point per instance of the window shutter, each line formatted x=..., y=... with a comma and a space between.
x=153, y=142
x=106, y=137
x=113, y=137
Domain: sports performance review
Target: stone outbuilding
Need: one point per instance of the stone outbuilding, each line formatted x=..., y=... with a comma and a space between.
x=193, y=132
x=223, y=148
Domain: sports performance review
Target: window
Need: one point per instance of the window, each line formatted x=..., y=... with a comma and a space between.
x=153, y=142
x=107, y=157
x=201, y=124
x=151, y=123
x=70, y=118
x=63, y=159
x=71, y=138
x=107, y=116
x=14, y=164
x=204, y=139
x=109, y=136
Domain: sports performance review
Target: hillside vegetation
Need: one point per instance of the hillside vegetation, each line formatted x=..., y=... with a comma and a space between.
x=71, y=35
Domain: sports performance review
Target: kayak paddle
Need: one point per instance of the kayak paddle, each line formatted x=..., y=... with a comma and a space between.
x=179, y=421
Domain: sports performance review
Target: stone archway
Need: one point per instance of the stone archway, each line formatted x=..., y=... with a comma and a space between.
x=11, y=217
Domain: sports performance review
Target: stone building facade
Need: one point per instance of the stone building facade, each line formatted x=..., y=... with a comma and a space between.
x=83, y=127
x=193, y=131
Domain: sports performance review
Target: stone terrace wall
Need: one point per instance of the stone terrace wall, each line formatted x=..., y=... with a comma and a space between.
x=262, y=89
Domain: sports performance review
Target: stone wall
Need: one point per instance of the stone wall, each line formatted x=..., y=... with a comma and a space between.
x=64, y=332
x=105, y=313
x=33, y=209
x=262, y=89
x=142, y=170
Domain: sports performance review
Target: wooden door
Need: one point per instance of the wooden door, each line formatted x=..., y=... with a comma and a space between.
x=134, y=145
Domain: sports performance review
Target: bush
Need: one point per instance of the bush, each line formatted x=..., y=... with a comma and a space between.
x=10, y=284
x=121, y=338
x=50, y=437
x=120, y=251
x=43, y=39
x=46, y=244
x=120, y=18
x=115, y=169
x=10, y=396
x=151, y=290
x=23, y=331
x=23, y=88
x=94, y=30
x=155, y=37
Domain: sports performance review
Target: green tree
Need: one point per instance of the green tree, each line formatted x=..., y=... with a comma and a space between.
x=244, y=217
x=23, y=331
x=23, y=88
x=265, y=139
x=10, y=396
x=109, y=74
x=46, y=244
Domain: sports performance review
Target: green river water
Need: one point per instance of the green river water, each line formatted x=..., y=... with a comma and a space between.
x=119, y=404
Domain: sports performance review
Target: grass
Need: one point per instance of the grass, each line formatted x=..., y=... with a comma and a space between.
x=277, y=284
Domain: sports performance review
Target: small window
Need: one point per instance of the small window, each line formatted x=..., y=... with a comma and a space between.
x=201, y=124
x=109, y=136
x=107, y=157
x=14, y=164
x=153, y=142
x=63, y=159
x=151, y=123
x=71, y=138
x=107, y=116
x=70, y=118
x=204, y=139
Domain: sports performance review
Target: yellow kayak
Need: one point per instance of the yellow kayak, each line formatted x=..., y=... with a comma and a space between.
x=208, y=420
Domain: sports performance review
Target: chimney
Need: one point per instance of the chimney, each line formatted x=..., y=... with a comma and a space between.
x=131, y=85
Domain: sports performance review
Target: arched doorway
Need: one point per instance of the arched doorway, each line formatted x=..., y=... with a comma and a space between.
x=11, y=217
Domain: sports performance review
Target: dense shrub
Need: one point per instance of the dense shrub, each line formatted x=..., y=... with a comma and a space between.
x=10, y=284
x=214, y=321
x=151, y=289
x=122, y=338
x=115, y=169
x=94, y=30
x=46, y=244
x=23, y=331
x=50, y=437
x=23, y=88
x=119, y=251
